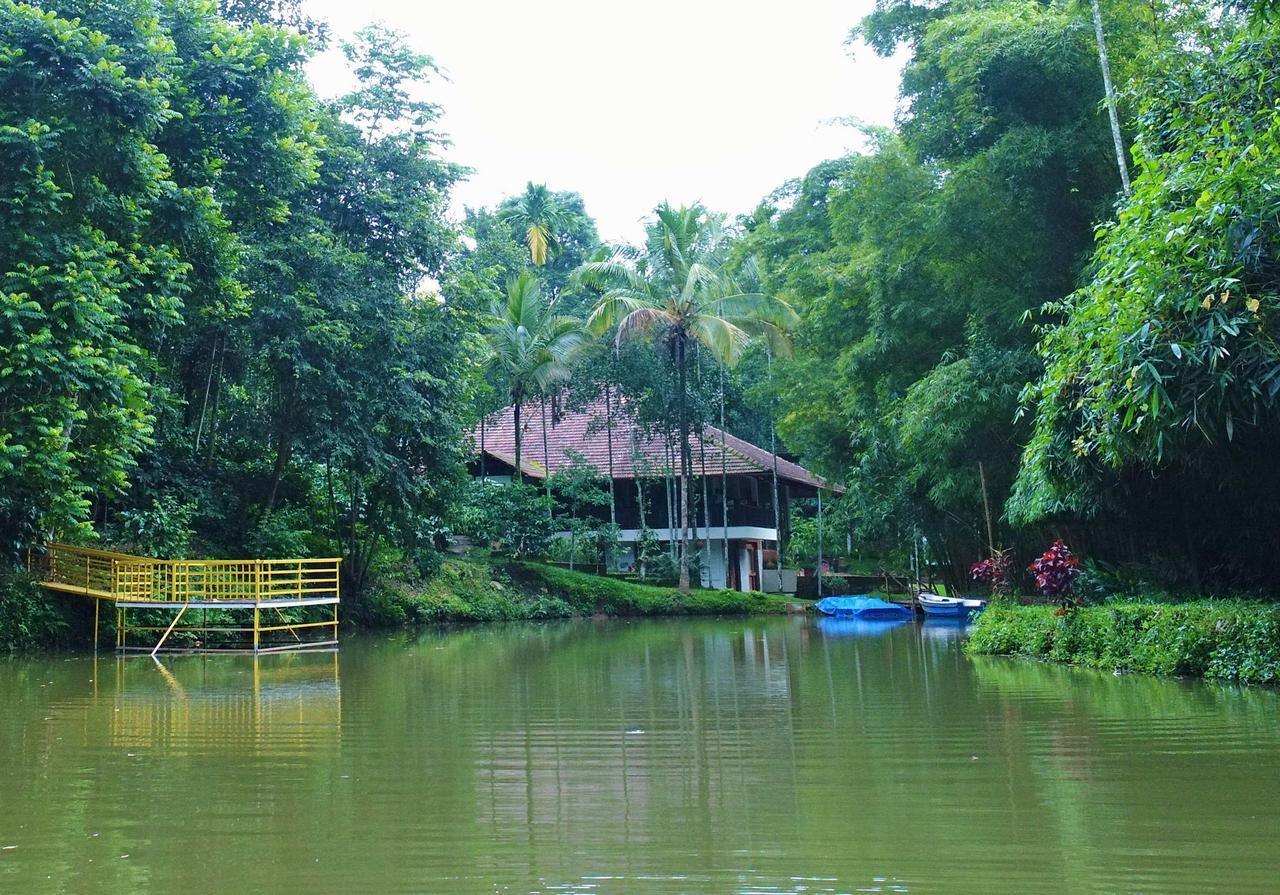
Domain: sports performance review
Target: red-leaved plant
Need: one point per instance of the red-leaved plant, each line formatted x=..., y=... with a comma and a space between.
x=995, y=571
x=1055, y=571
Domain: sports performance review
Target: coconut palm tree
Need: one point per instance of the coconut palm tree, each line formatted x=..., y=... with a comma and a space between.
x=677, y=293
x=537, y=215
x=529, y=346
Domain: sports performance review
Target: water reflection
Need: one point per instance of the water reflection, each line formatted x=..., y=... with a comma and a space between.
x=856, y=627
x=690, y=756
x=199, y=699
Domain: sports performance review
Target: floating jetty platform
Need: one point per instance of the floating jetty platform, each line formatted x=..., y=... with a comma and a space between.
x=254, y=594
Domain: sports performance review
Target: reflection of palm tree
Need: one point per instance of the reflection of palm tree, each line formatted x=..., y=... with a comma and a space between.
x=679, y=293
x=529, y=346
x=538, y=215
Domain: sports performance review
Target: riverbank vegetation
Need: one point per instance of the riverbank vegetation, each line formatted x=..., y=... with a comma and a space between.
x=476, y=590
x=237, y=318
x=1228, y=640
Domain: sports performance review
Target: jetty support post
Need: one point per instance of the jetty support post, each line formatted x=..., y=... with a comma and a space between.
x=169, y=630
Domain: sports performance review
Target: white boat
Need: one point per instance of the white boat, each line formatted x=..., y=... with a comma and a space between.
x=949, y=607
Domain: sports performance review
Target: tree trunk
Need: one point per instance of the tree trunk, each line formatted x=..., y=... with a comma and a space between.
x=682, y=403
x=1112, y=113
x=773, y=448
x=724, y=481
x=702, y=468
x=482, y=475
x=546, y=460
x=613, y=498
x=706, y=508
x=204, y=406
x=333, y=505
x=608, y=423
x=670, y=493
x=284, y=450
x=217, y=396
x=519, y=438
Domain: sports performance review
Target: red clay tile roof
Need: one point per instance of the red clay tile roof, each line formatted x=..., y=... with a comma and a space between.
x=585, y=431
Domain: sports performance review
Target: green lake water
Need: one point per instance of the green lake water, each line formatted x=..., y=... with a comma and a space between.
x=727, y=756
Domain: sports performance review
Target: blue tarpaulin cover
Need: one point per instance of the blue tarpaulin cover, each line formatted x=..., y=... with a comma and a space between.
x=862, y=607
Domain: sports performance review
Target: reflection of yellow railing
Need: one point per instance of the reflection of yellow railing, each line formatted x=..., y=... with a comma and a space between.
x=137, y=579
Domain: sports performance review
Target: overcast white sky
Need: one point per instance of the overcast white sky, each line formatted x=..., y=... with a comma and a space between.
x=632, y=103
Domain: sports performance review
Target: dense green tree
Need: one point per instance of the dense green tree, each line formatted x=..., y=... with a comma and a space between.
x=214, y=283
x=1165, y=365
x=913, y=265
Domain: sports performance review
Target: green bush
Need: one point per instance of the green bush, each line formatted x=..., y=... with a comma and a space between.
x=162, y=530
x=284, y=533
x=29, y=617
x=1233, y=640
x=513, y=517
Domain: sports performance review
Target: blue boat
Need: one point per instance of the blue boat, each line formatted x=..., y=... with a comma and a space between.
x=868, y=608
x=936, y=606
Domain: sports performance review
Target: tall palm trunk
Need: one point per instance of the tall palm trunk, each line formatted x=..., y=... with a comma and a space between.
x=482, y=475
x=644, y=524
x=773, y=449
x=1112, y=113
x=724, y=481
x=702, y=467
x=546, y=460
x=613, y=497
x=668, y=482
x=517, y=400
x=682, y=401
x=608, y=428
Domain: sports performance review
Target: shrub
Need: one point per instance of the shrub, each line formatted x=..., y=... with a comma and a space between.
x=163, y=530
x=28, y=617
x=1235, y=640
x=284, y=533
x=1055, y=570
x=513, y=518
x=996, y=571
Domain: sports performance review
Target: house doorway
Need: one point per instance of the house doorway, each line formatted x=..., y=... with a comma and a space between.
x=753, y=565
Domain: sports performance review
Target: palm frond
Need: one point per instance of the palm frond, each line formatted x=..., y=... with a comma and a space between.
x=700, y=277
x=723, y=338
x=758, y=306
x=610, y=274
x=538, y=238
x=614, y=306
x=641, y=321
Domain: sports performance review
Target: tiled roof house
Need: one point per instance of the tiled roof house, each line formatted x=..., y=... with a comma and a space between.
x=641, y=464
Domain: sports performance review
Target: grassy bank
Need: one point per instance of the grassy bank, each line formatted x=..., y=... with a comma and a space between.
x=474, y=590
x=1228, y=640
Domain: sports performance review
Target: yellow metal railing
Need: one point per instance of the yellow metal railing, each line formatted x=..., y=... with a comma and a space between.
x=125, y=578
